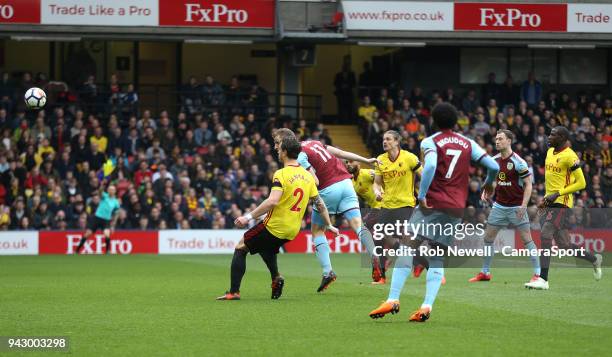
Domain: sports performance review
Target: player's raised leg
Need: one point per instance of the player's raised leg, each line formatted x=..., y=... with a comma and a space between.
x=349, y=206
x=322, y=250
x=564, y=242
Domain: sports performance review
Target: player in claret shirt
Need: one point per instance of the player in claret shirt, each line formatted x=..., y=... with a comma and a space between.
x=512, y=194
x=336, y=189
x=442, y=197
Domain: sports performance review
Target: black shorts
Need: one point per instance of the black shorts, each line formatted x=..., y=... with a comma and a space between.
x=371, y=218
x=97, y=223
x=558, y=215
x=259, y=239
x=392, y=215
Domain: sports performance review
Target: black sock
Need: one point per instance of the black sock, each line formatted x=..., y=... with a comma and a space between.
x=81, y=243
x=238, y=269
x=108, y=245
x=586, y=256
x=270, y=259
x=382, y=259
x=545, y=259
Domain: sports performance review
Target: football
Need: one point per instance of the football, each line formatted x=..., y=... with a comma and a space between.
x=35, y=98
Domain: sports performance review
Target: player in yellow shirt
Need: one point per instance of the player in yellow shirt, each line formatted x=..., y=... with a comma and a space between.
x=394, y=186
x=394, y=179
x=563, y=177
x=363, y=183
x=292, y=189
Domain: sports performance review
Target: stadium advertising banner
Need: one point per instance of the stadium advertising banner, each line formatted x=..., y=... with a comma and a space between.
x=398, y=15
x=346, y=242
x=99, y=12
x=217, y=13
x=206, y=241
x=359, y=15
x=20, y=11
x=199, y=241
x=589, y=18
x=511, y=17
x=176, y=13
x=122, y=242
x=594, y=240
x=19, y=243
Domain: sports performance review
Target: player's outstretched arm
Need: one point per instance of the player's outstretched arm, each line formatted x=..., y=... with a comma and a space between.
x=430, y=163
x=260, y=210
x=318, y=202
x=492, y=169
x=345, y=155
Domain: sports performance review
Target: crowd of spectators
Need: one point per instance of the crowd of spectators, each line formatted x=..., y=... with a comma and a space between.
x=199, y=168
x=205, y=165
x=523, y=109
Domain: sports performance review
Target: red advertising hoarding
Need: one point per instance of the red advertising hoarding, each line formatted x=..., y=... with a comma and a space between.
x=593, y=240
x=511, y=17
x=346, y=242
x=20, y=11
x=122, y=242
x=217, y=13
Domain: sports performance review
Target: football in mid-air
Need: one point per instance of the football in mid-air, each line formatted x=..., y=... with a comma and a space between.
x=35, y=98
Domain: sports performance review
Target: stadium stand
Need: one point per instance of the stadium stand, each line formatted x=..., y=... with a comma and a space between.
x=205, y=165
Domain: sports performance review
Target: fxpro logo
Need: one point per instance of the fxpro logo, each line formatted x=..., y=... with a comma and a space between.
x=590, y=244
x=97, y=245
x=216, y=13
x=509, y=18
x=6, y=12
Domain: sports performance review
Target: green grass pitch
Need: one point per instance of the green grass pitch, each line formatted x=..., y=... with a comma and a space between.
x=165, y=305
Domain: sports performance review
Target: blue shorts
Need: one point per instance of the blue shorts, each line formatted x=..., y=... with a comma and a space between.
x=502, y=216
x=434, y=225
x=339, y=198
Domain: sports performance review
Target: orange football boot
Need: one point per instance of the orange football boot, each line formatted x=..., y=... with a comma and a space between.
x=421, y=315
x=229, y=296
x=386, y=307
x=381, y=281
